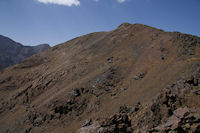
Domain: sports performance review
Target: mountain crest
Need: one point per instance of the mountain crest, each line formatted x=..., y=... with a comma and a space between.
x=135, y=78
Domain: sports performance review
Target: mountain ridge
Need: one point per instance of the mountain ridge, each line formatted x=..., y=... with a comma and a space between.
x=92, y=76
x=13, y=52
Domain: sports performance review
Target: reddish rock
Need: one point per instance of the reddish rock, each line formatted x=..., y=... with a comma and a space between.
x=181, y=112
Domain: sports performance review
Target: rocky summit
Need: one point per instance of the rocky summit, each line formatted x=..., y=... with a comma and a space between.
x=134, y=78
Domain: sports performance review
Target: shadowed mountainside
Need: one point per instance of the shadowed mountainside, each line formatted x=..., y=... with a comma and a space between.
x=83, y=82
x=12, y=52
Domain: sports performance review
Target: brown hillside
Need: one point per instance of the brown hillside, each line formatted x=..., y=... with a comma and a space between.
x=91, y=76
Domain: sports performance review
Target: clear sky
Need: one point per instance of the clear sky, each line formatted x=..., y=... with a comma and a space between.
x=33, y=22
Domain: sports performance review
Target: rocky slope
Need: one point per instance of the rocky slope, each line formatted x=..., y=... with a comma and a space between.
x=175, y=109
x=12, y=52
x=106, y=82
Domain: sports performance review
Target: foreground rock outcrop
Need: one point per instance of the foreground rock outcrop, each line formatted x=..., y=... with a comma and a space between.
x=176, y=109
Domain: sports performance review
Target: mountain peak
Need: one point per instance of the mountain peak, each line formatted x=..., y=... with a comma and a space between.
x=86, y=79
x=124, y=25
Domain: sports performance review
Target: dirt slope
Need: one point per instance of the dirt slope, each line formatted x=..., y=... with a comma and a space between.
x=91, y=76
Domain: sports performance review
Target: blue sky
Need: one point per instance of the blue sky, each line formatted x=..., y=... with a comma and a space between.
x=33, y=22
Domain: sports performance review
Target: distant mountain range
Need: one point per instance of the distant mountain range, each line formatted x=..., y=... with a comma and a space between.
x=12, y=52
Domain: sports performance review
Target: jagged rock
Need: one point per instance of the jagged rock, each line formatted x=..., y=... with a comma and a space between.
x=31, y=115
x=105, y=82
x=76, y=92
x=172, y=122
x=27, y=130
x=197, y=92
x=87, y=123
x=110, y=59
x=181, y=112
x=38, y=121
x=90, y=129
x=58, y=115
x=123, y=89
x=140, y=75
x=195, y=128
x=119, y=123
x=61, y=109
x=124, y=109
x=137, y=106
x=182, y=123
x=192, y=80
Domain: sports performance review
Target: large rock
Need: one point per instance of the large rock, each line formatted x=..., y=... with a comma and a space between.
x=181, y=112
x=90, y=129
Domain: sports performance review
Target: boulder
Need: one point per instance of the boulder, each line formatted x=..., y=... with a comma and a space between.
x=181, y=112
x=89, y=129
x=140, y=75
x=87, y=123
